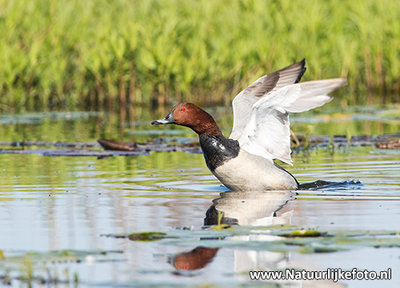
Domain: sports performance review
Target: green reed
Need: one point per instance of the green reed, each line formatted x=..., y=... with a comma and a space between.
x=104, y=53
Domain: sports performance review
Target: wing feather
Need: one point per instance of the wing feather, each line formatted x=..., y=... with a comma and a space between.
x=267, y=133
x=243, y=102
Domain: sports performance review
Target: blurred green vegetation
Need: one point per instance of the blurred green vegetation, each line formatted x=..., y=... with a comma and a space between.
x=107, y=53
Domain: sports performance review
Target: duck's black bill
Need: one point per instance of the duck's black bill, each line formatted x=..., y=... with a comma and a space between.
x=169, y=119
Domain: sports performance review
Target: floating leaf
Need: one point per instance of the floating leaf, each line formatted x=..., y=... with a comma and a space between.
x=312, y=250
x=283, y=238
x=147, y=236
x=303, y=233
x=221, y=227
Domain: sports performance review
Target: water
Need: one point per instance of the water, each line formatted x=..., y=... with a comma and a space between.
x=71, y=203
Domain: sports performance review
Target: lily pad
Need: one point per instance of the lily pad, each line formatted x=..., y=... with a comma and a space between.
x=147, y=236
x=303, y=233
x=282, y=238
x=221, y=227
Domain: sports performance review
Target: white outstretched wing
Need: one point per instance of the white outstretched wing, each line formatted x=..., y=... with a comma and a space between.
x=244, y=101
x=267, y=131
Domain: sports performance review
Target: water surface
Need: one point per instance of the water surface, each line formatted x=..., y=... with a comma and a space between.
x=57, y=203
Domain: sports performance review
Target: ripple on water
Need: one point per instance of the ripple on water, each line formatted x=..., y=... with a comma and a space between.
x=71, y=201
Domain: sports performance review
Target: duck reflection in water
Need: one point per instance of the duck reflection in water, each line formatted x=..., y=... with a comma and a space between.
x=241, y=208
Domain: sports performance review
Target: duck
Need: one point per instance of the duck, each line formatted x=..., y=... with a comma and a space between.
x=245, y=161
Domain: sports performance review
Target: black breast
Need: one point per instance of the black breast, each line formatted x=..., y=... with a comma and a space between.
x=218, y=149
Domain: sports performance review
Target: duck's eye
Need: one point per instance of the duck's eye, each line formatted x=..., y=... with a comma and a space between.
x=183, y=109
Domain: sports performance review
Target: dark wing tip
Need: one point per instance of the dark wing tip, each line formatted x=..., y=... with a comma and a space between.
x=303, y=69
x=280, y=78
x=293, y=73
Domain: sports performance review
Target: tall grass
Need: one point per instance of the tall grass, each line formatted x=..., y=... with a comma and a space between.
x=113, y=52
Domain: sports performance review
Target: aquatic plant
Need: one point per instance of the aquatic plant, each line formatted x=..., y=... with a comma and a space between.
x=35, y=268
x=107, y=53
x=286, y=238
